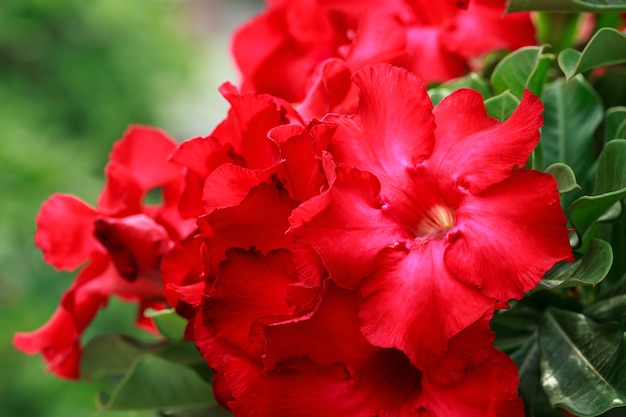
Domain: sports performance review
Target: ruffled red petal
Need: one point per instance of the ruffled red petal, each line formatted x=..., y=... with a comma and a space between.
x=64, y=231
x=475, y=151
x=521, y=216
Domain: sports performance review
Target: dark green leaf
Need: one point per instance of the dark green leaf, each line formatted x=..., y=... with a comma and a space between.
x=609, y=189
x=564, y=176
x=502, y=105
x=583, y=363
x=611, y=309
x=607, y=47
x=472, y=80
x=566, y=5
x=514, y=327
x=524, y=68
x=589, y=269
x=156, y=384
x=614, y=120
x=572, y=113
x=527, y=360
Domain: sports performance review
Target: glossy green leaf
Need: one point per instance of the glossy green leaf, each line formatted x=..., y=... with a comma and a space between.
x=590, y=269
x=586, y=210
x=524, y=68
x=472, y=80
x=614, y=120
x=572, y=113
x=583, y=363
x=566, y=5
x=153, y=383
x=170, y=325
x=528, y=361
x=564, y=176
x=502, y=105
x=607, y=47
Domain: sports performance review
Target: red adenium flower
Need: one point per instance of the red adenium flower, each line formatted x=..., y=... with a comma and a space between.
x=121, y=243
x=430, y=217
x=282, y=350
x=279, y=52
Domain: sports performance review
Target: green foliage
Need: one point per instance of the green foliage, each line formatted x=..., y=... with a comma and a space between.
x=564, y=176
x=525, y=68
x=502, y=105
x=589, y=269
x=607, y=47
x=567, y=5
x=583, y=366
x=472, y=80
x=73, y=76
x=573, y=112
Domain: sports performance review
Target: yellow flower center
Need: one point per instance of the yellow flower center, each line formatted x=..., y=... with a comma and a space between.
x=436, y=223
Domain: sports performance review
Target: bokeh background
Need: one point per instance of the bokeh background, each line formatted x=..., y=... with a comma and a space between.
x=73, y=75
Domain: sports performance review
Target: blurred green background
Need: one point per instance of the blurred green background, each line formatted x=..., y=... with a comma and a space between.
x=73, y=75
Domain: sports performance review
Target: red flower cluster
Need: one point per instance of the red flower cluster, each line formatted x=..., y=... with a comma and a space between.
x=284, y=51
x=121, y=243
x=343, y=263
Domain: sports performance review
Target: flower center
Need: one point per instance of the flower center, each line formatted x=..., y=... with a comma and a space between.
x=436, y=223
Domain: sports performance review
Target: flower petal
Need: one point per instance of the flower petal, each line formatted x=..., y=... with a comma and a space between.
x=509, y=235
x=145, y=152
x=391, y=129
x=489, y=390
x=411, y=302
x=260, y=221
x=475, y=151
x=346, y=226
x=64, y=231
x=251, y=286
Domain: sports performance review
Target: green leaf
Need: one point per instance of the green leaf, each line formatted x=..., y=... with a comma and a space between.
x=112, y=355
x=566, y=5
x=609, y=189
x=156, y=384
x=564, y=176
x=607, y=47
x=513, y=327
x=590, y=269
x=572, y=113
x=523, y=68
x=472, y=80
x=583, y=363
x=611, y=309
x=611, y=174
x=170, y=325
x=528, y=360
x=211, y=411
x=614, y=120
x=586, y=210
x=502, y=105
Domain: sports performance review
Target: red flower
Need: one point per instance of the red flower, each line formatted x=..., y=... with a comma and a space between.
x=279, y=51
x=281, y=349
x=122, y=243
x=427, y=217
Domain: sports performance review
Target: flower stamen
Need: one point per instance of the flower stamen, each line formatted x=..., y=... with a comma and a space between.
x=437, y=222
